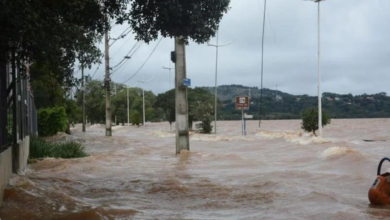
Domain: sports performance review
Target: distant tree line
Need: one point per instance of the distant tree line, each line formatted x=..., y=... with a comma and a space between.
x=278, y=105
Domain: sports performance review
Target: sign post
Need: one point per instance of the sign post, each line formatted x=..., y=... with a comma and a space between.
x=242, y=103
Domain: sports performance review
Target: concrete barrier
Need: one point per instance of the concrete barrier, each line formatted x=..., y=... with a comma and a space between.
x=5, y=170
x=13, y=160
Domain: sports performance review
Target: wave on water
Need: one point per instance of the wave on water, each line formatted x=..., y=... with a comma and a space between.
x=293, y=137
x=211, y=138
x=162, y=134
x=335, y=152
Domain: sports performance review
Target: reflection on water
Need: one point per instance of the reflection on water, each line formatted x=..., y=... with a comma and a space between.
x=276, y=172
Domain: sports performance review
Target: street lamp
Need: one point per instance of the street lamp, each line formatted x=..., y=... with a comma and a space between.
x=128, y=105
x=169, y=68
x=319, y=69
x=143, y=98
x=216, y=78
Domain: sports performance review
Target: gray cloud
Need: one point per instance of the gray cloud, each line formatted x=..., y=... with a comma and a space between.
x=355, y=49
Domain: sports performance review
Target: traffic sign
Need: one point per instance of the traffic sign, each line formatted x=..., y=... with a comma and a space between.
x=242, y=102
x=186, y=82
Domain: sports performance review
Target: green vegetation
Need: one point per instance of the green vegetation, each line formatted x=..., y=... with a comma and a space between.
x=135, y=118
x=310, y=120
x=40, y=148
x=196, y=97
x=95, y=104
x=280, y=105
x=51, y=121
x=204, y=112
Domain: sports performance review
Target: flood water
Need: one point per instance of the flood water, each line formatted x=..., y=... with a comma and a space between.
x=275, y=172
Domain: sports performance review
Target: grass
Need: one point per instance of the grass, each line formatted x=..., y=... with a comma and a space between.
x=40, y=148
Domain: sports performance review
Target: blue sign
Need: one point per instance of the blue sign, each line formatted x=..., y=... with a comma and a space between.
x=186, y=82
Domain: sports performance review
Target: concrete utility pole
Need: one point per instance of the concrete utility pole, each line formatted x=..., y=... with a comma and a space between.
x=107, y=85
x=83, y=87
x=217, y=46
x=181, y=98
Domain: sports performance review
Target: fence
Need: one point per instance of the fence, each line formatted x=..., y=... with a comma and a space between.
x=18, y=115
x=3, y=109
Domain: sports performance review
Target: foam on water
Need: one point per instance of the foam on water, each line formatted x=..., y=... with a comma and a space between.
x=162, y=134
x=294, y=137
x=216, y=138
x=334, y=152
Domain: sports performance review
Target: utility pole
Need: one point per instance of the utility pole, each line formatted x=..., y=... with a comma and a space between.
x=115, y=96
x=216, y=85
x=319, y=72
x=107, y=85
x=262, y=63
x=216, y=78
x=128, y=110
x=143, y=105
x=83, y=87
x=181, y=98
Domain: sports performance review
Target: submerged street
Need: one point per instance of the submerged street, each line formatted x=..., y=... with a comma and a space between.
x=276, y=172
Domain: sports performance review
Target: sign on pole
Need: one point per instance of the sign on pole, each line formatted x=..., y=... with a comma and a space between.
x=242, y=103
x=186, y=82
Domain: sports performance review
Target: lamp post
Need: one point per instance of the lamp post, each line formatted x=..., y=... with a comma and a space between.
x=143, y=98
x=319, y=69
x=128, y=104
x=169, y=68
x=217, y=46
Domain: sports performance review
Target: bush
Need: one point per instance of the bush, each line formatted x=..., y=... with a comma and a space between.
x=310, y=120
x=51, y=121
x=203, y=112
x=205, y=126
x=40, y=148
x=135, y=118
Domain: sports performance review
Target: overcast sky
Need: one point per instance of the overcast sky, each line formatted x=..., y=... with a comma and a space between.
x=355, y=49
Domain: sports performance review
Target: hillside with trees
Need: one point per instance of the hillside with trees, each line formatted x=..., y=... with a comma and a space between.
x=280, y=105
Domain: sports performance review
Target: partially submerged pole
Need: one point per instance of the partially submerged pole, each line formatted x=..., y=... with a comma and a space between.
x=181, y=98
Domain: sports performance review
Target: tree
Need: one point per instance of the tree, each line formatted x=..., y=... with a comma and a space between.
x=135, y=117
x=94, y=101
x=166, y=101
x=310, y=120
x=204, y=112
x=189, y=19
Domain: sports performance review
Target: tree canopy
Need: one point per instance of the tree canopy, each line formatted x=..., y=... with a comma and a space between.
x=310, y=120
x=56, y=33
x=190, y=19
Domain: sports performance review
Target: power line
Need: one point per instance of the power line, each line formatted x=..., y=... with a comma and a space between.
x=122, y=35
x=144, y=62
x=127, y=58
x=97, y=67
x=127, y=61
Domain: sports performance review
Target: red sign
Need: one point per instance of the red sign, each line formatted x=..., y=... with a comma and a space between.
x=242, y=102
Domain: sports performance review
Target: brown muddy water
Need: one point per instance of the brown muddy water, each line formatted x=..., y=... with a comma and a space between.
x=276, y=172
